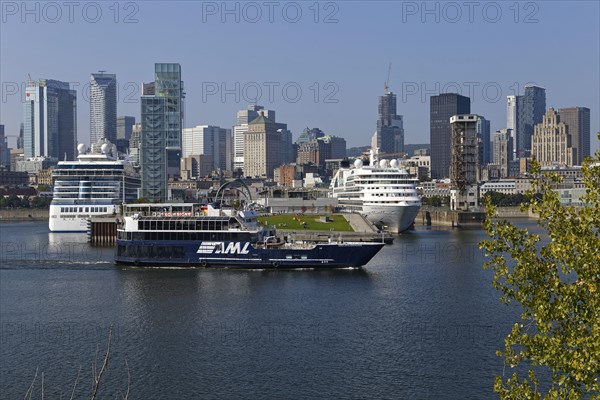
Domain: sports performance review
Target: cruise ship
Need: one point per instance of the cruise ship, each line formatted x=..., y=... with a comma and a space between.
x=381, y=190
x=96, y=184
x=181, y=234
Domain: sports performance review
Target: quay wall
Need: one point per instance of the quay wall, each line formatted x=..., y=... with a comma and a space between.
x=24, y=214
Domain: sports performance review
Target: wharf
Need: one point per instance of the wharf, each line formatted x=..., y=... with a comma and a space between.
x=102, y=231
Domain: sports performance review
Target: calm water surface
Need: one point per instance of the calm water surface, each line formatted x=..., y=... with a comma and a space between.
x=420, y=321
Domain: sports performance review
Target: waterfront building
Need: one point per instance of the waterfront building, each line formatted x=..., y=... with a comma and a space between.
x=50, y=120
x=442, y=107
x=464, y=166
x=103, y=107
x=577, y=120
x=551, y=142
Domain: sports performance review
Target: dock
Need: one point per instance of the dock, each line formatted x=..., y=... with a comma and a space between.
x=102, y=231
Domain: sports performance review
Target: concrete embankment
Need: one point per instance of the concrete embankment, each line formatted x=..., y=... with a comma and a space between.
x=443, y=216
x=24, y=214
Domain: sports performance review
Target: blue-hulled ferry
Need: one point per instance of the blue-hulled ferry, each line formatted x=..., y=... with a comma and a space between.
x=206, y=236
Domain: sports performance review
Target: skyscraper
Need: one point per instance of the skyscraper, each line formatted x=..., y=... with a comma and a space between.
x=241, y=127
x=529, y=110
x=262, y=147
x=4, y=150
x=483, y=133
x=125, y=127
x=551, y=142
x=50, y=120
x=511, y=121
x=162, y=118
x=442, y=107
x=20, y=142
x=577, y=120
x=207, y=140
x=103, y=107
x=389, y=136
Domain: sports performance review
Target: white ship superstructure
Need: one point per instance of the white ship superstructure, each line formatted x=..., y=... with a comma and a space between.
x=383, y=191
x=96, y=184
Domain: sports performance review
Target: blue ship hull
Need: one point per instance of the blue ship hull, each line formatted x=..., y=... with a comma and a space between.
x=243, y=254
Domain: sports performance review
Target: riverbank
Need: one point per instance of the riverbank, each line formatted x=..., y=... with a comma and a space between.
x=24, y=214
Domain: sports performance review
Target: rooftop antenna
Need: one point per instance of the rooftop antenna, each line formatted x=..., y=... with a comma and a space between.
x=387, y=81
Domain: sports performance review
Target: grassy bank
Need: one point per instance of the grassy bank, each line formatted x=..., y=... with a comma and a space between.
x=307, y=221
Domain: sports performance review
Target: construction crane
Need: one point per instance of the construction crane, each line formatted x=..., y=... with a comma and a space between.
x=387, y=81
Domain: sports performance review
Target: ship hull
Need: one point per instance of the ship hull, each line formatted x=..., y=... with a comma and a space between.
x=76, y=221
x=394, y=218
x=244, y=255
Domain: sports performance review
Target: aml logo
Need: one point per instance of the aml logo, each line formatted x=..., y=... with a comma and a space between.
x=223, y=248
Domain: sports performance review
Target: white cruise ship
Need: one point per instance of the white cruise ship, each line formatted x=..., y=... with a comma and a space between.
x=382, y=191
x=96, y=184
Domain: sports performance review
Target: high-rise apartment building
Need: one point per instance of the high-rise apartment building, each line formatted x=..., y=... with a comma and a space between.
x=103, y=107
x=577, y=120
x=442, y=107
x=551, y=142
x=50, y=120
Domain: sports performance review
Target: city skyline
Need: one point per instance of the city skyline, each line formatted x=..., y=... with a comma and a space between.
x=354, y=82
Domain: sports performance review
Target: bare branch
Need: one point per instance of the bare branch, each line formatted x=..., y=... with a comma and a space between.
x=30, y=390
x=128, y=380
x=104, y=366
x=75, y=384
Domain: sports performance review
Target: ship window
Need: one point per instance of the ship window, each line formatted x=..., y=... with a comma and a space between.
x=87, y=209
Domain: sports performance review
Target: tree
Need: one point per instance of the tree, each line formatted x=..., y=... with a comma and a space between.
x=557, y=285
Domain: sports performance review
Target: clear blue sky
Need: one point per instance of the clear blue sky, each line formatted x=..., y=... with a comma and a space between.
x=487, y=49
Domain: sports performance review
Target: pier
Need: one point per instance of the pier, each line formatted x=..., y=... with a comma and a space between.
x=102, y=231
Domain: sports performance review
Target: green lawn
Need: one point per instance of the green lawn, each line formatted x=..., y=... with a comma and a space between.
x=295, y=221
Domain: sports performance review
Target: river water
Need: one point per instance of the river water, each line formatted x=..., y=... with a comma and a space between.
x=420, y=321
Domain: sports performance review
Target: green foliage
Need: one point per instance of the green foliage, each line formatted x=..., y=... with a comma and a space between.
x=503, y=200
x=435, y=201
x=558, y=288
